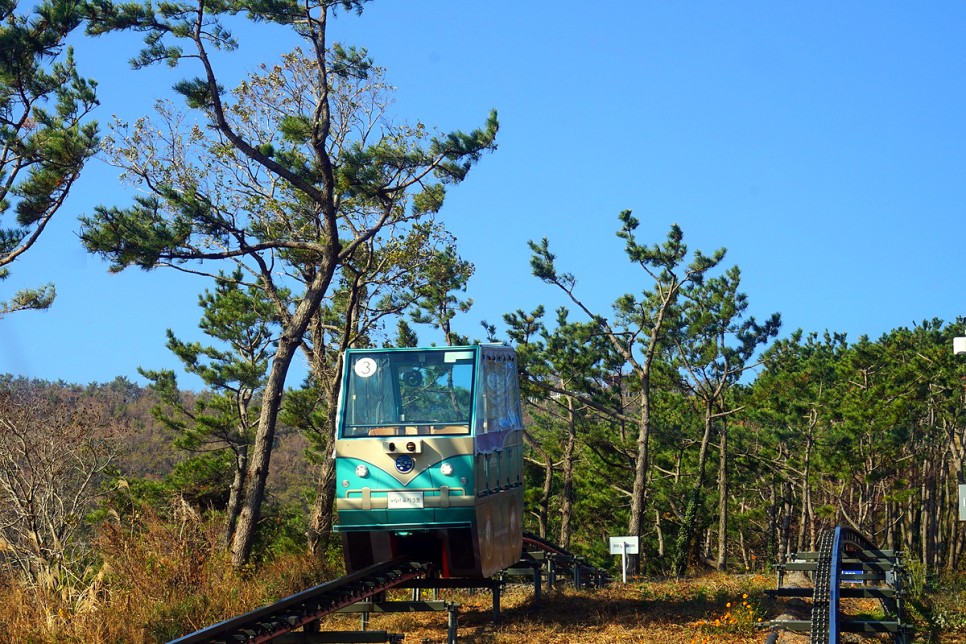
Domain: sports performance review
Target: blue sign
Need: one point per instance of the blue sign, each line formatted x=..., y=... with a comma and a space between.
x=405, y=464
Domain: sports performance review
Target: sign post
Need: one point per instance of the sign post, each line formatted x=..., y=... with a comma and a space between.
x=624, y=546
x=959, y=346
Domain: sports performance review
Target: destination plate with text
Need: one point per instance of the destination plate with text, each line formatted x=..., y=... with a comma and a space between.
x=405, y=500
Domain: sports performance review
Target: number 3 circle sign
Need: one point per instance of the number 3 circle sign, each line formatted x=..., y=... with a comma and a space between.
x=365, y=367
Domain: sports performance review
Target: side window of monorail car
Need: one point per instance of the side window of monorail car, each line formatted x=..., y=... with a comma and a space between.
x=500, y=394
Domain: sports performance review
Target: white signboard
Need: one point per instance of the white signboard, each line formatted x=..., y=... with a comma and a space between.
x=962, y=502
x=404, y=500
x=624, y=545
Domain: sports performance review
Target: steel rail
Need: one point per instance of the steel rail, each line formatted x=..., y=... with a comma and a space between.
x=844, y=566
x=827, y=593
x=821, y=631
x=543, y=544
x=270, y=621
x=859, y=547
x=563, y=557
x=835, y=578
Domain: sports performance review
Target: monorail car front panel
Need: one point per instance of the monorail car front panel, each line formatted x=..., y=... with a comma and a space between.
x=429, y=458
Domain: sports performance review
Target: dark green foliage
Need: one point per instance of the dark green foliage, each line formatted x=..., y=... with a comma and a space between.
x=305, y=411
x=196, y=92
x=218, y=427
x=282, y=531
x=715, y=344
x=405, y=336
x=867, y=434
x=436, y=303
x=204, y=480
x=140, y=235
x=635, y=343
x=350, y=62
x=45, y=135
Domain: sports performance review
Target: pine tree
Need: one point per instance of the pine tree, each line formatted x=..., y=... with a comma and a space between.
x=240, y=321
x=714, y=345
x=637, y=334
x=45, y=135
x=296, y=171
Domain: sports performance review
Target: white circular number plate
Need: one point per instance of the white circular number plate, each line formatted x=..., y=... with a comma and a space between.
x=366, y=367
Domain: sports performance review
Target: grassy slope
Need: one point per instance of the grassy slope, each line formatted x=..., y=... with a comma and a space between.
x=713, y=608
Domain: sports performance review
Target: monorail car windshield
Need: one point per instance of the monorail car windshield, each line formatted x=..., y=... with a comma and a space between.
x=392, y=393
x=429, y=457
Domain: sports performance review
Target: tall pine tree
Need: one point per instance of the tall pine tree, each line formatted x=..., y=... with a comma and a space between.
x=293, y=173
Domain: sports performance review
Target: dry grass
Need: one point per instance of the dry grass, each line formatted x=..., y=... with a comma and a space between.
x=162, y=580
x=152, y=584
x=703, y=610
x=679, y=611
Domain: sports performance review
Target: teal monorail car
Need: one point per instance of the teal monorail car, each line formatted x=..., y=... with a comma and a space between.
x=429, y=458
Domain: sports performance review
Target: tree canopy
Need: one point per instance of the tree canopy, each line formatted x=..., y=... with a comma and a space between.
x=45, y=132
x=291, y=176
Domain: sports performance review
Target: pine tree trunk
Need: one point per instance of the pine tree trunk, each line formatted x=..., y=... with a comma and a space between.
x=271, y=403
x=742, y=545
x=686, y=537
x=235, y=495
x=722, y=562
x=261, y=454
x=774, y=532
x=639, y=491
x=808, y=526
x=320, y=521
x=660, y=533
x=924, y=517
x=787, y=506
x=909, y=525
x=323, y=509
x=567, y=491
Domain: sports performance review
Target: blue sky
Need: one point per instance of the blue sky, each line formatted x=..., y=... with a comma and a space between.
x=823, y=144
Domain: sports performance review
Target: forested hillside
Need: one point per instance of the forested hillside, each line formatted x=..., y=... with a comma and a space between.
x=69, y=452
x=825, y=432
x=867, y=434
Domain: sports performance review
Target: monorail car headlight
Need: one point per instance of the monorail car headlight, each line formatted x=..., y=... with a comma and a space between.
x=362, y=471
x=446, y=469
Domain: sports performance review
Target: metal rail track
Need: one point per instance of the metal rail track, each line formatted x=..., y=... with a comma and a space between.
x=847, y=565
x=824, y=611
x=274, y=620
x=582, y=571
x=532, y=539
